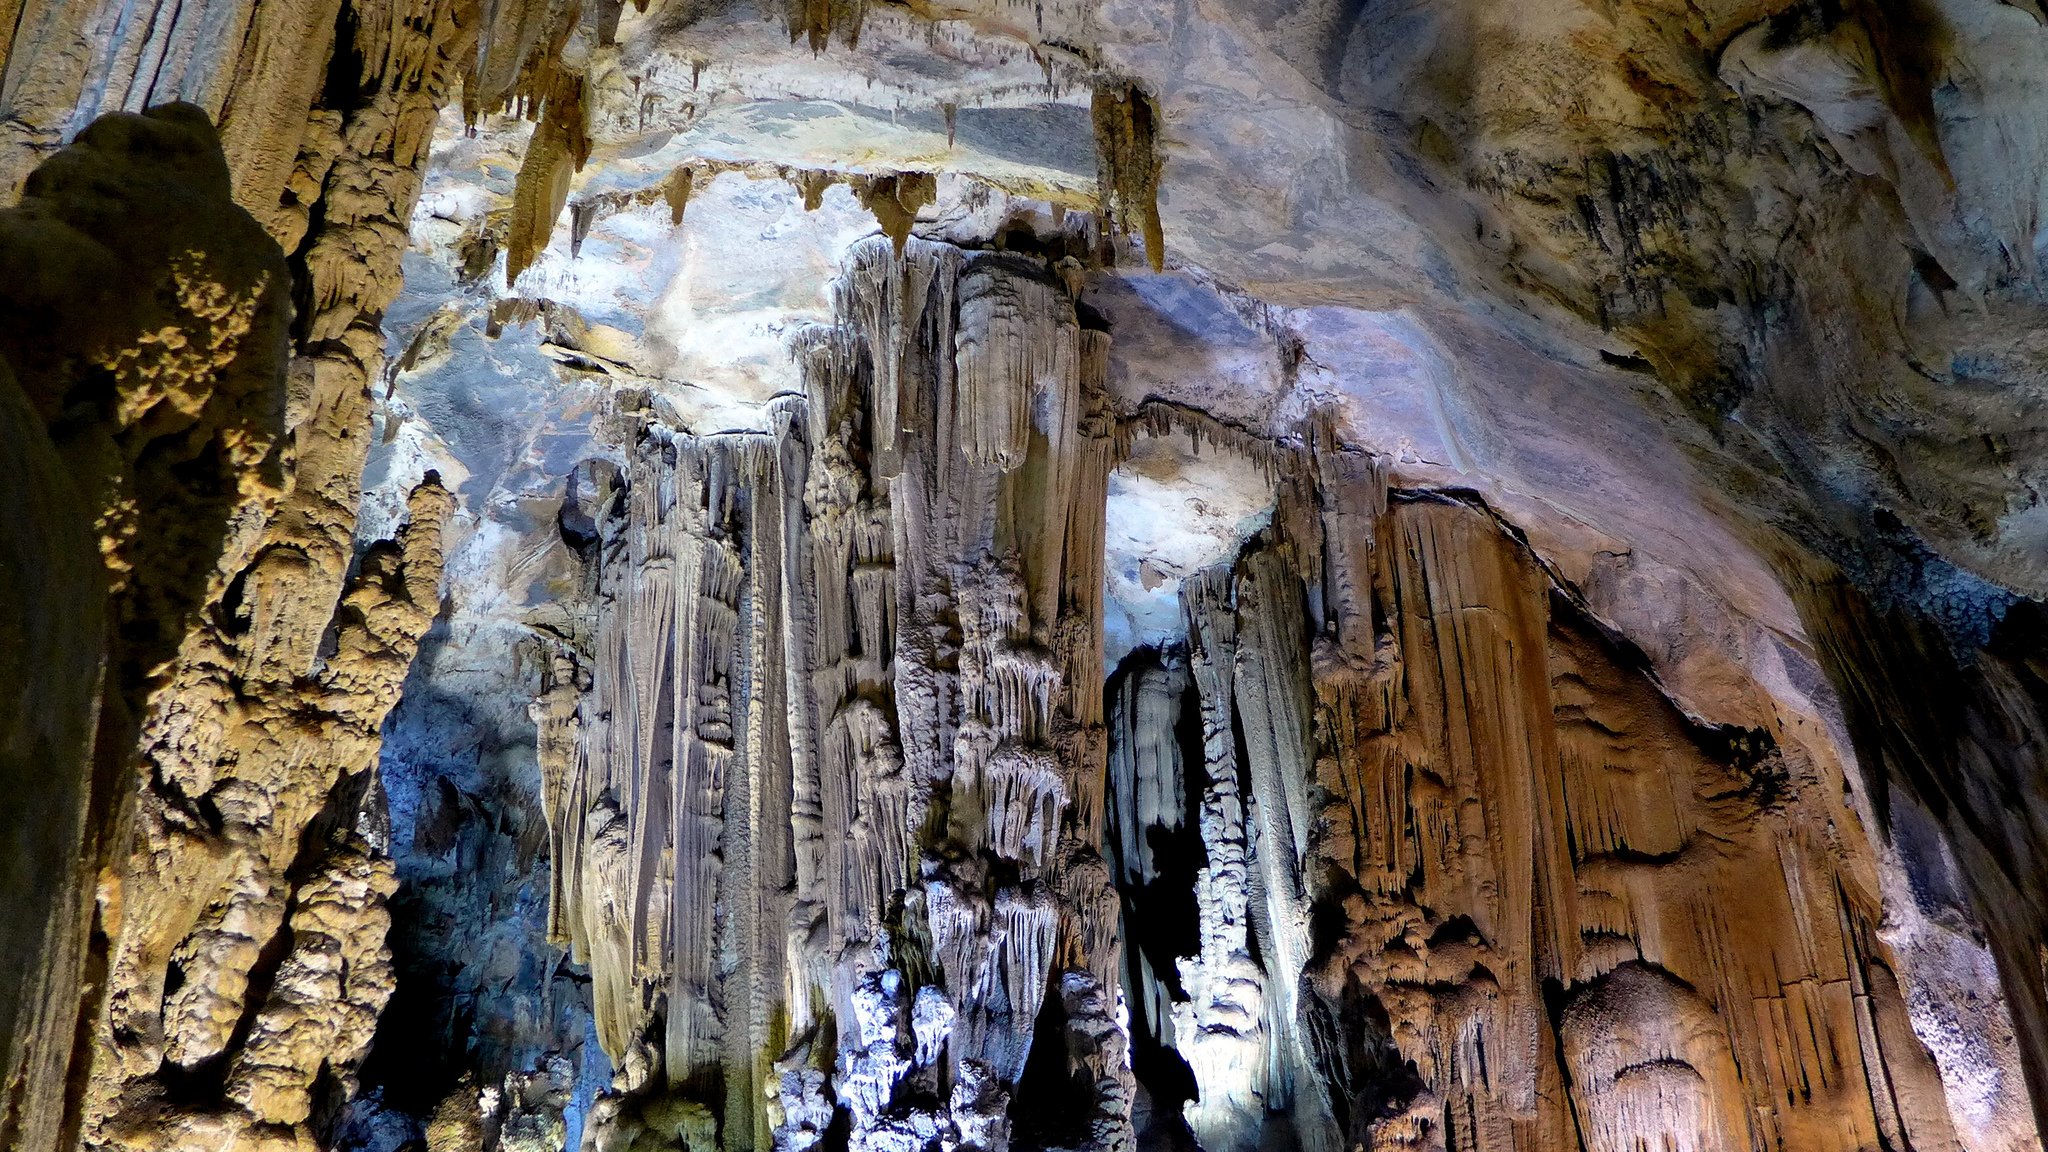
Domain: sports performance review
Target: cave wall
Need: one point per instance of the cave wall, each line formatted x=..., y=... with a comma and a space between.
x=235, y=965
x=1463, y=875
x=1776, y=267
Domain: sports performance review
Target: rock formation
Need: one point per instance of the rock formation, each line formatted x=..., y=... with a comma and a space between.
x=838, y=769
x=145, y=397
x=1535, y=905
x=1092, y=575
x=233, y=952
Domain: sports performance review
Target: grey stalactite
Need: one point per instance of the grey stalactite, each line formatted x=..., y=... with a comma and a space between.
x=841, y=753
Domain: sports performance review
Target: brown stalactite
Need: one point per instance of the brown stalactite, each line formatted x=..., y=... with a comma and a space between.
x=1128, y=158
x=815, y=21
x=561, y=144
x=677, y=193
x=895, y=200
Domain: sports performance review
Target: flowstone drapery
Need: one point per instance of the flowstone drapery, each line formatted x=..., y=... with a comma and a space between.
x=853, y=846
x=828, y=831
x=1499, y=893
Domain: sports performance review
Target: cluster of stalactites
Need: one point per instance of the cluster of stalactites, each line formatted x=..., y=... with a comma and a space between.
x=519, y=65
x=835, y=750
x=1484, y=798
x=560, y=147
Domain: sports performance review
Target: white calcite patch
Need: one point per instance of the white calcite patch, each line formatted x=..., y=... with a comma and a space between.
x=1171, y=514
x=751, y=264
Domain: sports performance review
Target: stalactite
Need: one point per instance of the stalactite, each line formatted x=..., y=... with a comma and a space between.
x=676, y=191
x=894, y=200
x=560, y=145
x=1145, y=770
x=1466, y=878
x=882, y=621
x=1128, y=158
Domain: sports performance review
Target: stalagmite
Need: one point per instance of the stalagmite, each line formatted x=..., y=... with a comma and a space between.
x=142, y=377
x=1220, y=1029
x=240, y=911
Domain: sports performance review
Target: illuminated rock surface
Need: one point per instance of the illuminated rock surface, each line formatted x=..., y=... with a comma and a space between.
x=1093, y=575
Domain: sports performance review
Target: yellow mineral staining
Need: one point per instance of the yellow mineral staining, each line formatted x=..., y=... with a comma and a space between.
x=1127, y=162
x=560, y=145
x=166, y=377
x=895, y=200
x=676, y=191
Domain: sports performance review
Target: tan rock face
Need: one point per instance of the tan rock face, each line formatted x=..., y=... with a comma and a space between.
x=147, y=336
x=237, y=950
x=1563, y=506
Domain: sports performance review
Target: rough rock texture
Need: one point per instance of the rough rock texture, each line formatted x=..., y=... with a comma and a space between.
x=1661, y=765
x=144, y=402
x=237, y=964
